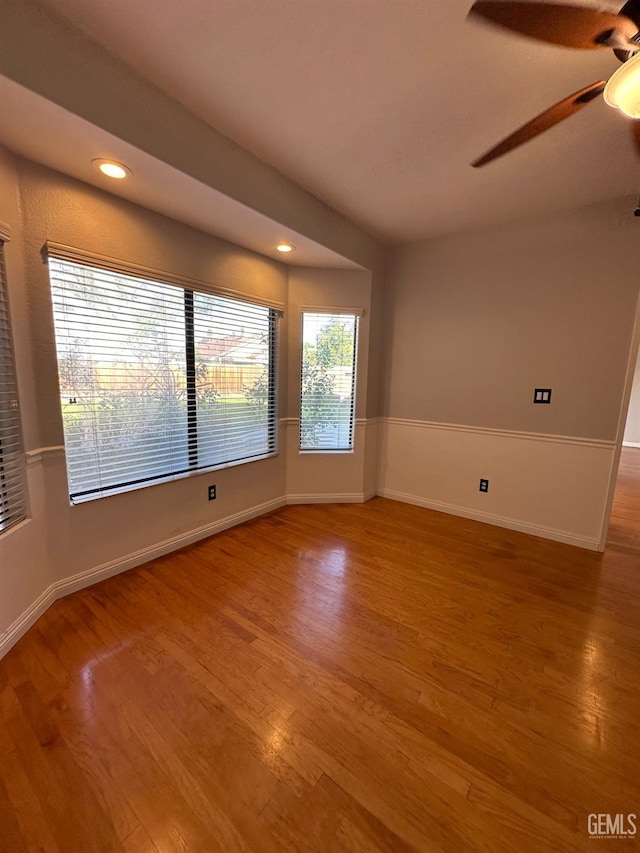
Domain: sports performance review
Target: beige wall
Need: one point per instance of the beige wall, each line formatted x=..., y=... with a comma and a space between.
x=309, y=287
x=473, y=324
x=477, y=321
x=313, y=476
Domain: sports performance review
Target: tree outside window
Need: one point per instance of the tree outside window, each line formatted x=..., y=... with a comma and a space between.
x=328, y=381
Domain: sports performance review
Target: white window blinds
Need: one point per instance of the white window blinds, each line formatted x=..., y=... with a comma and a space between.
x=158, y=380
x=329, y=348
x=12, y=501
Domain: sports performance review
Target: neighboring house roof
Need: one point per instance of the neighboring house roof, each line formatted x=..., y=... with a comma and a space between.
x=233, y=348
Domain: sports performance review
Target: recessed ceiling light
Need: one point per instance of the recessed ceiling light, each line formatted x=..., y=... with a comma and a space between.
x=112, y=169
x=285, y=247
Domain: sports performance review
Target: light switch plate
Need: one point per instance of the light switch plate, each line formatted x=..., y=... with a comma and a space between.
x=542, y=395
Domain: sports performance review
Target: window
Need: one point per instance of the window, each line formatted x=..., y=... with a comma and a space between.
x=12, y=503
x=158, y=380
x=329, y=346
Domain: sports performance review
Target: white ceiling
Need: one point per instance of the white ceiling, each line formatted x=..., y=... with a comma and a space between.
x=378, y=106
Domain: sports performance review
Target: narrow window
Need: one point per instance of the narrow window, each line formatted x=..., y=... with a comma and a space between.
x=329, y=348
x=12, y=500
x=158, y=380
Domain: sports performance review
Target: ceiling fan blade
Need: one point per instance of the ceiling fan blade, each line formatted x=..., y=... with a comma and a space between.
x=631, y=9
x=555, y=114
x=571, y=26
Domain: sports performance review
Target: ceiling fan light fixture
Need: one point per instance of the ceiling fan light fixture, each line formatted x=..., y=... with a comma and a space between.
x=623, y=88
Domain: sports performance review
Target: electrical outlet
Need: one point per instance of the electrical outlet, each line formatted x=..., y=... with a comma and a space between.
x=212, y=493
x=484, y=485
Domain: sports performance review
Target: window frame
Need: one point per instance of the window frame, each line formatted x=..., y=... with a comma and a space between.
x=13, y=506
x=190, y=289
x=331, y=312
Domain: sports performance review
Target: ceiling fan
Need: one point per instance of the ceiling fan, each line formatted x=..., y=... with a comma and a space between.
x=579, y=27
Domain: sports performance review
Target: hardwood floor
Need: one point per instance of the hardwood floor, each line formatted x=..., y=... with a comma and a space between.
x=373, y=677
x=624, y=528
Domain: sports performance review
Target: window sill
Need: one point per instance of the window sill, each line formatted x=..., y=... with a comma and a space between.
x=13, y=528
x=309, y=452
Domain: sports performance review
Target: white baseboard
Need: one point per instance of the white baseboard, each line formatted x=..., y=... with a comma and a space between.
x=355, y=498
x=19, y=628
x=500, y=521
x=59, y=589
x=631, y=444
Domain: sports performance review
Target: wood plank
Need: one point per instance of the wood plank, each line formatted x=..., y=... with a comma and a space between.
x=358, y=678
x=624, y=528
